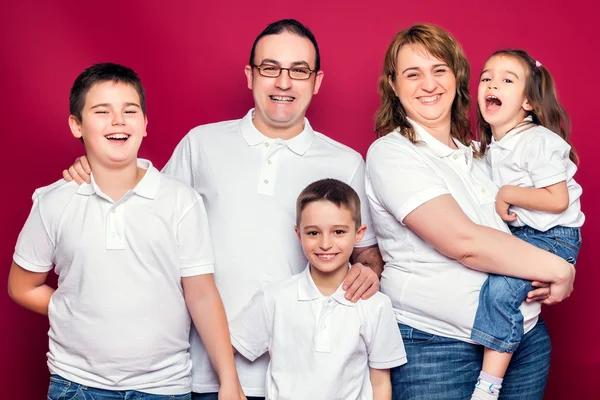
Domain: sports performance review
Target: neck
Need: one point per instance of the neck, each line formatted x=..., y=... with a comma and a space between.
x=329, y=282
x=499, y=131
x=116, y=181
x=284, y=133
x=442, y=133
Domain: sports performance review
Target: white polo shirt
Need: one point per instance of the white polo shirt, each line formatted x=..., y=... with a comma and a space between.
x=536, y=158
x=321, y=347
x=249, y=184
x=429, y=291
x=118, y=319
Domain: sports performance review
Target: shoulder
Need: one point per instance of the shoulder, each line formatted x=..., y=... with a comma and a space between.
x=337, y=149
x=283, y=287
x=376, y=302
x=209, y=130
x=392, y=143
x=184, y=194
x=539, y=135
x=57, y=194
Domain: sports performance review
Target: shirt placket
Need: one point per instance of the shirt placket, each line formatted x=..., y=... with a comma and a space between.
x=323, y=331
x=272, y=150
x=115, y=225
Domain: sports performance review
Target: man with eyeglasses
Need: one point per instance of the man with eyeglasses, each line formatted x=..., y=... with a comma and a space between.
x=250, y=172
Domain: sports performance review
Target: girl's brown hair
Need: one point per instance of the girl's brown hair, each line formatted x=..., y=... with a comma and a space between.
x=540, y=91
x=391, y=115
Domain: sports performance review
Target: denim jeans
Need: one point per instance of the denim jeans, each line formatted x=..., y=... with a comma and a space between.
x=441, y=368
x=215, y=396
x=498, y=322
x=62, y=389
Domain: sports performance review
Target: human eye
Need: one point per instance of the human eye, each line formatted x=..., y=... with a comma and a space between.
x=440, y=71
x=339, y=231
x=507, y=80
x=412, y=75
x=312, y=233
x=485, y=79
x=131, y=111
x=101, y=112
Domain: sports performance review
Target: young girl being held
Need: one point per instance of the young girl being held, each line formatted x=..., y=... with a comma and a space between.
x=524, y=138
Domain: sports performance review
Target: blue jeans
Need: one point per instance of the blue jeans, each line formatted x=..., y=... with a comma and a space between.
x=62, y=389
x=440, y=368
x=215, y=396
x=498, y=322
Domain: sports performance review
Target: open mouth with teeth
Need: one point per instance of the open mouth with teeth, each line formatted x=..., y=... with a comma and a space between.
x=118, y=137
x=492, y=103
x=429, y=99
x=282, y=99
x=326, y=256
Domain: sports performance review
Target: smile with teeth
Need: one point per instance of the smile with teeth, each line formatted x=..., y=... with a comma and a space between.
x=492, y=102
x=282, y=99
x=429, y=99
x=326, y=256
x=117, y=136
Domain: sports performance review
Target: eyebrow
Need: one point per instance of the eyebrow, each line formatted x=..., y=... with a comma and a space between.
x=109, y=105
x=334, y=226
x=295, y=63
x=419, y=68
x=507, y=71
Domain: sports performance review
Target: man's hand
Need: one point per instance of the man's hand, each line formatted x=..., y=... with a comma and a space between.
x=563, y=287
x=79, y=172
x=361, y=283
x=541, y=292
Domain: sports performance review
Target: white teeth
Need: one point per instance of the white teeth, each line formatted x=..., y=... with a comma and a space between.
x=491, y=97
x=429, y=99
x=282, y=98
x=117, y=136
x=326, y=256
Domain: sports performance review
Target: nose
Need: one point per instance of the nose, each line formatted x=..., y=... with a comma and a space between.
x=283, y=81
x=429, y=84
x=325, y=242
x=492, y=84
x=118, y=119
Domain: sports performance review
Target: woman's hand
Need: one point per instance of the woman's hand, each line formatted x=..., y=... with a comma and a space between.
x=562, y=286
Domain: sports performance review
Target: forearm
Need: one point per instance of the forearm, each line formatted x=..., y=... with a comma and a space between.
x=208, y=314
x=490, y=250
x=35, y=299
x=381, y=384
x=553, y=199
x=369, y=257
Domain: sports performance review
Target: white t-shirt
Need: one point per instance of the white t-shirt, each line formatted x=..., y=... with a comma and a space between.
x=429, y=291
x=321, y=347
x=249, y=184
x=118, y=320
x=536, y=158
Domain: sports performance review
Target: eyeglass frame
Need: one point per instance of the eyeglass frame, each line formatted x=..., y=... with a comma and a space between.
x=281, y=70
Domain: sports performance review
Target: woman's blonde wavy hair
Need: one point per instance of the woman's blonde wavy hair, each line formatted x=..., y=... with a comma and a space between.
x=391, y=115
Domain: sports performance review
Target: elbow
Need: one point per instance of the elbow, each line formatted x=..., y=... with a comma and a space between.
x=13, y=294
x=460, y=249
x=561, y=206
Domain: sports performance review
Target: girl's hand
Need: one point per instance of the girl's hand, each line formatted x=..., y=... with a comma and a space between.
x=502, y=208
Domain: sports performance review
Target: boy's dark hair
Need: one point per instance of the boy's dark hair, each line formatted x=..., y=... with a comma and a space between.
x=337, y=192
x=291, y=26
x=98, y=73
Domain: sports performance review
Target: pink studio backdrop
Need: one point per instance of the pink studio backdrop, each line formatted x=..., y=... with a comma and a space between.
x=191, y=55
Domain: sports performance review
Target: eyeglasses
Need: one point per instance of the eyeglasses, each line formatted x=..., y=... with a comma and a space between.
x=274, y=71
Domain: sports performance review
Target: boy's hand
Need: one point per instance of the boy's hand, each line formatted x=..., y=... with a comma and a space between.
x=80, y=171
x=361, y=283
x=231, y=392
x=502, y=207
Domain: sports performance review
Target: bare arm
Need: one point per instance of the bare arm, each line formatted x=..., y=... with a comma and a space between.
x=550, y=199
x=206, y=308
x=29, y=289
x=381, y=383
x=442, y=223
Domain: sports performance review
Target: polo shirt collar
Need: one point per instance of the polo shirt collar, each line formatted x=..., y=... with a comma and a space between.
x=438, y=148
x=510, y=140
x=299, y=144
x=147, y=187
x=307, y=290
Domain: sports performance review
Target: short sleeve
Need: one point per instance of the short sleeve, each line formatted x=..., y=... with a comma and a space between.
x=385, y=346
x=35, y=249
x=179, y=165
x=358, y=184
x=400, y=180
x=251, y=329
x=546, y=160
x=193, y=237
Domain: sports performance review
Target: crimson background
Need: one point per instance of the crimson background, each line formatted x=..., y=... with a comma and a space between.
x=191, y=55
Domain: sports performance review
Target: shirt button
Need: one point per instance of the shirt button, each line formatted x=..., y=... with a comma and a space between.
x=269, y=162
x=323, y=326
x=482, y=190
x=114, y=210
x=266, y=181
x=267, y=144
x=455, y=156
x=114, y=234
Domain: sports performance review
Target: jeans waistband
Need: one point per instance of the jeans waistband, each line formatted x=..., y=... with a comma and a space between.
x=563, y=231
